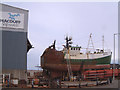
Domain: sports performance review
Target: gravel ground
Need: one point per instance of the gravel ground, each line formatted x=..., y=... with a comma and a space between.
x=114, y=84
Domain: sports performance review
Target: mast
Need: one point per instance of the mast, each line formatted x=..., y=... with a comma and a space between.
x=103, y=42
x=68, y=42
x=90, y=45
x=90, y=42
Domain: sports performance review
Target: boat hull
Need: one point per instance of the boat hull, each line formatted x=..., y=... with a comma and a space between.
x=97, y=61
x=75, y=68
x=54, y=60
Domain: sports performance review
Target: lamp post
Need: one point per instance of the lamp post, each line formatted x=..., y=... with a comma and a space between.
x=114, y=57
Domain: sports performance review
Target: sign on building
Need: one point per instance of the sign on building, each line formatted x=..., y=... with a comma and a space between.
x=11, y=20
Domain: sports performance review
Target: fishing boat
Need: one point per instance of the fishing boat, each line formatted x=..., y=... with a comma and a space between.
x=73, y=58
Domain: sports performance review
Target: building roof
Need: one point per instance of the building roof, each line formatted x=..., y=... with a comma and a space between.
x=14, y=7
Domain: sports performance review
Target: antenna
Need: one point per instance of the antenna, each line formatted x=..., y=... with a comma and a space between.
x=68, y=41
x=103, y=42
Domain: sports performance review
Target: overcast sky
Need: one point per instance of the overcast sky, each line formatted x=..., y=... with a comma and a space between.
x=53, y=21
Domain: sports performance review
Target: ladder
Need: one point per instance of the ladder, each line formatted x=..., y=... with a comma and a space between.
x=68, y=44
x=69, y=66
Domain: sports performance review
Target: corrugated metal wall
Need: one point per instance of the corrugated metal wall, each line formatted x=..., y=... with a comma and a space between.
x=14, y=46
x=0, y=52
x=14, y=50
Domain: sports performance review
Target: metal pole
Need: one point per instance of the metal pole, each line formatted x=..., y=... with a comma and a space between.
x=114, y=60
x=103, y=42
x=114, y=57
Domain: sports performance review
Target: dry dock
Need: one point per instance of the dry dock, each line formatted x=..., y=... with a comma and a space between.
x=91, y=84
x=115, y=84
